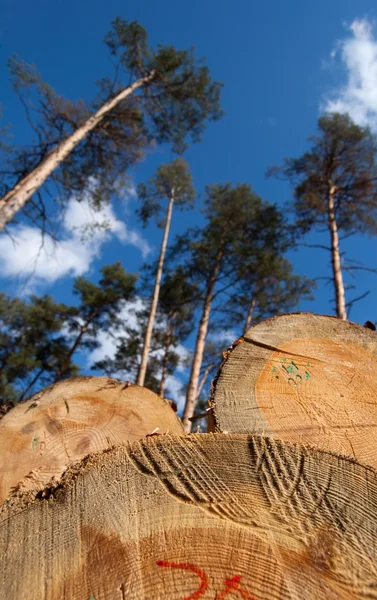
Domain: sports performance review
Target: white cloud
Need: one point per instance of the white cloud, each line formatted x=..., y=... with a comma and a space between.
x=108, y=340
x=358, y=54
x=81, y=215
x=227, y=336
x=131, y=191
x=174, y=391
x=85, y=231
x=185, y=357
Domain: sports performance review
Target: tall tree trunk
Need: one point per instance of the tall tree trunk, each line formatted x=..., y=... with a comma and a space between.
x=17, y=197
x=156, y=293
x=165, y=360
x=335, y=256
x=250, y=314
x=191, y=397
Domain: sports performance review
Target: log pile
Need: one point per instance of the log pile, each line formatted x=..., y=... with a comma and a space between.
x=280, y=503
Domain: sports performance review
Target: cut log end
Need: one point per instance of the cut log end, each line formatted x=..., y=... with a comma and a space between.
x=209, y=516
x=39, y=438
x=304, y=378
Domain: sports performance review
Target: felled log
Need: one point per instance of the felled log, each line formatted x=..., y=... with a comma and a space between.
x=39, y=438
x=199, y=516
x=304, y=378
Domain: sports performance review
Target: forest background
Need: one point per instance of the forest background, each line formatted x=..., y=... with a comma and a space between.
x=282, y=66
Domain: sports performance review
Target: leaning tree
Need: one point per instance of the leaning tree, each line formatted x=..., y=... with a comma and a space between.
x=159, y=94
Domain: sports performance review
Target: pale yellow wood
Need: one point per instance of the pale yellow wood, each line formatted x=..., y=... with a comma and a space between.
x=304, y=378
x=199, y=516
x=39, y=438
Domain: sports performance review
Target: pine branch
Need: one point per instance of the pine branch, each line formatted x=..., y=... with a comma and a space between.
x=320, y=246
x=352, y=302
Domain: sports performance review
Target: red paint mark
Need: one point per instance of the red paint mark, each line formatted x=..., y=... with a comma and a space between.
x=192, y=569
x=232, y=585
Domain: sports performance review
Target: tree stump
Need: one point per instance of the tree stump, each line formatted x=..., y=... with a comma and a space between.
x=39, y=438
x=304, y=378
x=198, y=516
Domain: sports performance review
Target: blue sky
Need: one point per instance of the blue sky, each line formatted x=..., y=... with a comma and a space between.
x=281, y=64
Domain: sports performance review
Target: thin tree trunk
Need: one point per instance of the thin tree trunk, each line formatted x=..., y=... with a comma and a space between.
x=203, y=380
x=33, y=382
x=17, y=197
x=250, y=314
x=74, y=347
x=191, y=397
x=156, y=293
x=164, y=371
x=335, y=256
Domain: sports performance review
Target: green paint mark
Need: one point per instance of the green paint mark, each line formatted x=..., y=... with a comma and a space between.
x=35, y=442
x=292, y=370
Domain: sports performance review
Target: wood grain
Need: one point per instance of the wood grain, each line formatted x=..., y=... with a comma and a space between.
x=39, y=438
x=304, y=378
x=199, y=516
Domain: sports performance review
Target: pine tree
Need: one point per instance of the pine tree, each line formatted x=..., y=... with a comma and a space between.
x=335, y=187
x=238, y=224
x=173, y=324
x=173, y=184
x=32, y=345
x=98, y=309
x=125, y=362
x=169, y=96
x=268, y=287
x=178, y=300
x=39, y=338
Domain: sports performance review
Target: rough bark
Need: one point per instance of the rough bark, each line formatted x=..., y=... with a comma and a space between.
x=340, y=299
x=201, y=516
x=304, y=378
x=17, y=197
x=156, y=293
x=39, y=438
x=191, y=397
